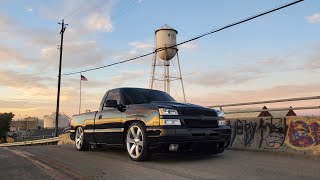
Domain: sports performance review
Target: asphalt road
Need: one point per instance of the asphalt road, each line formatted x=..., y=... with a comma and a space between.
x=65, y=162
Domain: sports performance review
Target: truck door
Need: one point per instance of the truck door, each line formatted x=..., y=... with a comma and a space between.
x=108, y=126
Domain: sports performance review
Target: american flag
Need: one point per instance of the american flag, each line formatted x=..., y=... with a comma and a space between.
x=83, y=78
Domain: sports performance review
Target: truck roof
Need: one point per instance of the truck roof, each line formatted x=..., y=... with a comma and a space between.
x=133, y=88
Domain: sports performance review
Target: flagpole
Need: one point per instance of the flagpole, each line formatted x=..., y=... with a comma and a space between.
x=80, y=94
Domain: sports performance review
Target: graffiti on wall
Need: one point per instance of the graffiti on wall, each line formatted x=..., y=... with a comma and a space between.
x=259, y=133
x=303, y=133
x=244, y=129
x=273, y=133
x=299, y=133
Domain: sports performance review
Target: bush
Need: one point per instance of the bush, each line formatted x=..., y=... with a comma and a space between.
x=5, y=119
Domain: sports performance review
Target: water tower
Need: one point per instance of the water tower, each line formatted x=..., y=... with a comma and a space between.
x=166, y=50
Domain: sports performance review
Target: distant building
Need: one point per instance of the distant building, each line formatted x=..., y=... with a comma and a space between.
x=26, y=124
x=50, y=121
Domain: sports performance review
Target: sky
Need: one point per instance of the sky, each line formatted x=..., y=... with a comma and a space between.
x=274, y=56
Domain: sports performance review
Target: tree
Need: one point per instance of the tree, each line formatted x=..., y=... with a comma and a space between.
x=5, y=119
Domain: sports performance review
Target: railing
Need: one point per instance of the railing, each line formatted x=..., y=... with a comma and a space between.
x=34, y=142
x=221, y=106
x=272, y=109
x=31, y=138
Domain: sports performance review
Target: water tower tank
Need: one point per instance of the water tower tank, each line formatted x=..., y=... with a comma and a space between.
x=50, y=121
x=166, y=37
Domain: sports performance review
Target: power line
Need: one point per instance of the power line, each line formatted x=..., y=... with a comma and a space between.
x=192, y=39
x=96, y=68
x=239, y=22
x=77, y=9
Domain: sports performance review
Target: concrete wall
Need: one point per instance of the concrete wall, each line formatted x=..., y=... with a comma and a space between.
x=293, y=135
x=65, y=139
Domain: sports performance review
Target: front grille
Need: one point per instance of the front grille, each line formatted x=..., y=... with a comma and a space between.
x=189, y=112
x=196, y=123
x=197, y=112
x=207, y=112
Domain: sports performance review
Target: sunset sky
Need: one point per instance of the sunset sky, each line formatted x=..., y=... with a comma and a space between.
x=275, y=56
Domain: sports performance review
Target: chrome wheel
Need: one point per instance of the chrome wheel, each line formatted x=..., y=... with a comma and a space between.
x=134, y=141
x=79, y=138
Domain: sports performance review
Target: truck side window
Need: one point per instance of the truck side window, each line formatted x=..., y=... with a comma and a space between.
x=113, y=95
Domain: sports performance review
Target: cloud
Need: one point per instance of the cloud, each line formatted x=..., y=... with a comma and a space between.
x=276, y=92
x=282, y=91
x=21, y=80
x=79, y=54
x=315, y=18
x=190, y=45
x=28, y=37
x=14, y=55
x=219, y=78
x=141, y=45
x=5, y=21
x=136, y=48
x=83, y=18
x=126, y=76
x=247, y=69
x=240, y=73
x=312, y=61
x=74, y=10
x=150, y=46
x=36, y=95
x=99, y=22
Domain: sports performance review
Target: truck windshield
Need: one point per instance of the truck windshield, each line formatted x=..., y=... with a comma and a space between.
x=141, y=96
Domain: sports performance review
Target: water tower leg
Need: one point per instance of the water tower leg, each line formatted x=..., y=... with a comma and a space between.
x=168, y=77
x=184, y=95
x=153, y=70
x=165, y=75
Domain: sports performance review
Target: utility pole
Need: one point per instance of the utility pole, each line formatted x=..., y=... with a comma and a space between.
x=63, y=28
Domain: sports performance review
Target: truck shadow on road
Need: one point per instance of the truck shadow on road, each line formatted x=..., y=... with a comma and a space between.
x=173, y=157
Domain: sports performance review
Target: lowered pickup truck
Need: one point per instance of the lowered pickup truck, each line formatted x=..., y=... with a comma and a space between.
x=147, y=121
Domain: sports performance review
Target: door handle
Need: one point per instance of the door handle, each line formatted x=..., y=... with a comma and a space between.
x=100, y=116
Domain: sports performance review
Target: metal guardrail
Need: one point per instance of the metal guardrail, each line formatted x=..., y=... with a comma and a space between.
x=272, y=109
x=31, y=138
x=220, y=106
x=34, y=142
x=266, y=102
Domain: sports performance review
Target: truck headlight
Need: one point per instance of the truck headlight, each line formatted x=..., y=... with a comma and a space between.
x=222, y=122
x=167, y=111
x=170, y=122
x=220, y=113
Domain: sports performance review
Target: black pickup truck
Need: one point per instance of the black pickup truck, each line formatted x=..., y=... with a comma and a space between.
x=147, y=121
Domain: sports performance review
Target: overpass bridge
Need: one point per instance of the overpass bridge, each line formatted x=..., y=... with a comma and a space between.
x=262, y=147
x=65, y=162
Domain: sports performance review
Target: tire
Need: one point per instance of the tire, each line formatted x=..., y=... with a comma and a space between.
x=80, y=140
x=136, y=142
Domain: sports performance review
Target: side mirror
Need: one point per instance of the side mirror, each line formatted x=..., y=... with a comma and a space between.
x=111, y=103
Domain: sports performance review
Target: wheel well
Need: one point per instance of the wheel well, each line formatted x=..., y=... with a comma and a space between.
x=75, y=129
x=73, y=134
x=126, y=126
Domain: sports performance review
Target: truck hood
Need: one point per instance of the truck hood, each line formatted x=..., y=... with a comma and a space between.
x=186, y=109
x=173, y=104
